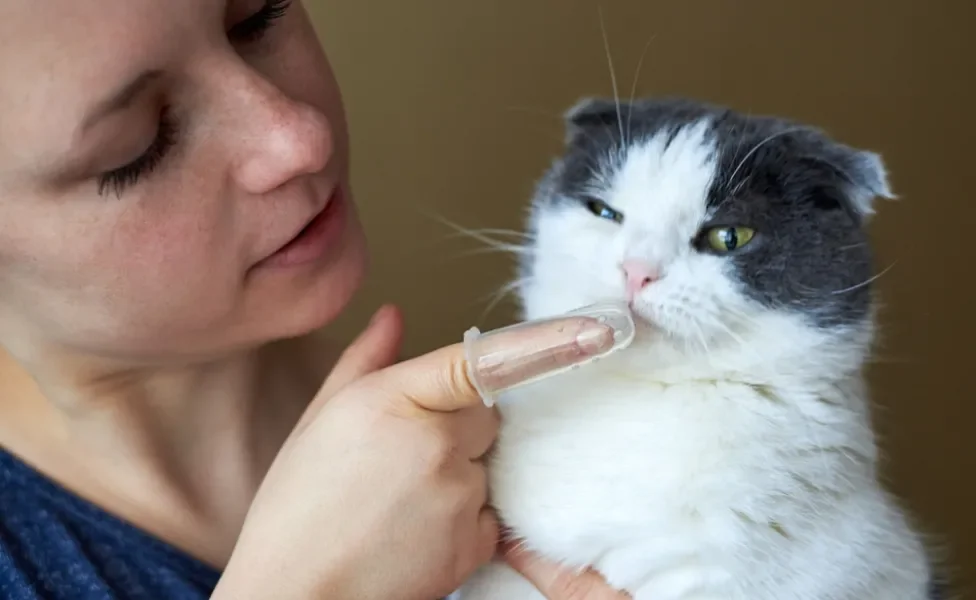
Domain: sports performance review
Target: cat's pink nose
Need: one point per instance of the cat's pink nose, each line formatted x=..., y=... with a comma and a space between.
x=639, y=275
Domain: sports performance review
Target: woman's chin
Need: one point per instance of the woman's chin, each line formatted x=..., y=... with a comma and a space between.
x=309, y=301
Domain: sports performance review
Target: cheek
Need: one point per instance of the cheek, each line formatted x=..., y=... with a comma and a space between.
x=172, y=246
x=575, y=261
x=588, y=247
x=174, y=267
x=133, y=266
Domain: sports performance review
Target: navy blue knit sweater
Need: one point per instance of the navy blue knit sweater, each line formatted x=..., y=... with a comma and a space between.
x=56, y=546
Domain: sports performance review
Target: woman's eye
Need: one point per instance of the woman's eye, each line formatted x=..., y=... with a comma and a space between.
x=254, y=27
x=728, y=239
x=118, y=180
x=603, y=210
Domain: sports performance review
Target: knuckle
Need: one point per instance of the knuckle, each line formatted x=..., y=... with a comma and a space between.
x=438, y=451
x=458, y=381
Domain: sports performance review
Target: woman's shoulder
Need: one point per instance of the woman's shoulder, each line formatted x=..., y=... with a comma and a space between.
x=54, y=544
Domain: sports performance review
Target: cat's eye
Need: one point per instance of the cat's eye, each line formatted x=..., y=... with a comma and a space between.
x=603, y=210
x=727, y=239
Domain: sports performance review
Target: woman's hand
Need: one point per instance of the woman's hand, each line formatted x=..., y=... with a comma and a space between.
x=379, y=492
x=556, y=583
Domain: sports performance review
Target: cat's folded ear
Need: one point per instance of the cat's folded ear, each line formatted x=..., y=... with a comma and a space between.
x=589, y=113
x=863, y=176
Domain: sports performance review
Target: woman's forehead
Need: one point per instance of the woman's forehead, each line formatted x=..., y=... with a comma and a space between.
x=57, y=37
x=60, y=58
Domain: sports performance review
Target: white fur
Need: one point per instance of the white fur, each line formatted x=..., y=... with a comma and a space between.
x=728, y=454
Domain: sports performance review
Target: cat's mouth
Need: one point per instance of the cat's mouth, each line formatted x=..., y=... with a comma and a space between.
x=646, y=325
x=639, y=310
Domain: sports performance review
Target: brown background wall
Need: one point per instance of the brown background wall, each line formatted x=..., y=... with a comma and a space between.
x=454, y=108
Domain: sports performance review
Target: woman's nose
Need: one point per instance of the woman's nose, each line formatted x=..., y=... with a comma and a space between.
x=282, y=139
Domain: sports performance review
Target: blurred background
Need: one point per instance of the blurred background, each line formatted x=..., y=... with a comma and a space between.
x=455, y=111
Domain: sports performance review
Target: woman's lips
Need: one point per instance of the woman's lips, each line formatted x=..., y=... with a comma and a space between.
x=314, y=239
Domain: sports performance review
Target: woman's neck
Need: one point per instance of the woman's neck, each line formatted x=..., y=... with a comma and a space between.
x=177, y=451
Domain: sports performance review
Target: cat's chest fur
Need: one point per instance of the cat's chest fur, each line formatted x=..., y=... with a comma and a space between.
x=585, y=467
x=575, y=460
x=685, y=490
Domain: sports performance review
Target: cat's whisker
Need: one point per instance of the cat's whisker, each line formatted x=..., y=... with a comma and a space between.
x=701, y=337
x=496, y=231
x=556, y=116
x=633, y=88
x=493, y=245
x=731, y=195
x=738, y=145
x=613, y=73
x=739, y=316
x=864, y=283
x=740, y=185
x=732, y=334
x=471, y=233
x=756, y=148
x=503, y=291
x=499, y=249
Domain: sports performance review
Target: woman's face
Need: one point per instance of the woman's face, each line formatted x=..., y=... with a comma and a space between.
x=159, y=164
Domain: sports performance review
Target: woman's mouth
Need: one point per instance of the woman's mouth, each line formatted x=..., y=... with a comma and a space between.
x=312, y=242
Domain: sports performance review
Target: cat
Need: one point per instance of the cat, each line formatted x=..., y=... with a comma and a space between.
x=728, y=453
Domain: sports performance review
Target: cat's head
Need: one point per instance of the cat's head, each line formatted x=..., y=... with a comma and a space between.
x=723, y=230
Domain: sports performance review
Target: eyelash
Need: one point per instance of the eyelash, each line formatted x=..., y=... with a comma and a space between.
x=119, y=179
x=250, y=30
x=254, y=27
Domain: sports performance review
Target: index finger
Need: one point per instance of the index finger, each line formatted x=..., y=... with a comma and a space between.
x=508, y=358
x=468, y=374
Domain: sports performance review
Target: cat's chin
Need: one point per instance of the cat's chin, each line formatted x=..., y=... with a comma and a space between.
x=653, y=340
x=651, y=329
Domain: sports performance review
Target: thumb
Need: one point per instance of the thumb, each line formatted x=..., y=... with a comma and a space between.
x=559, y=583
x=375, y=348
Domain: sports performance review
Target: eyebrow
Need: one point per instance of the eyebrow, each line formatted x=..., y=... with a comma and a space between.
x=122, y=98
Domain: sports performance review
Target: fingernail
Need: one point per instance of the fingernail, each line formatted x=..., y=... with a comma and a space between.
x=594, y=338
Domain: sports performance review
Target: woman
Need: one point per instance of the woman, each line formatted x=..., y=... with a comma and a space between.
x=175, y=218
